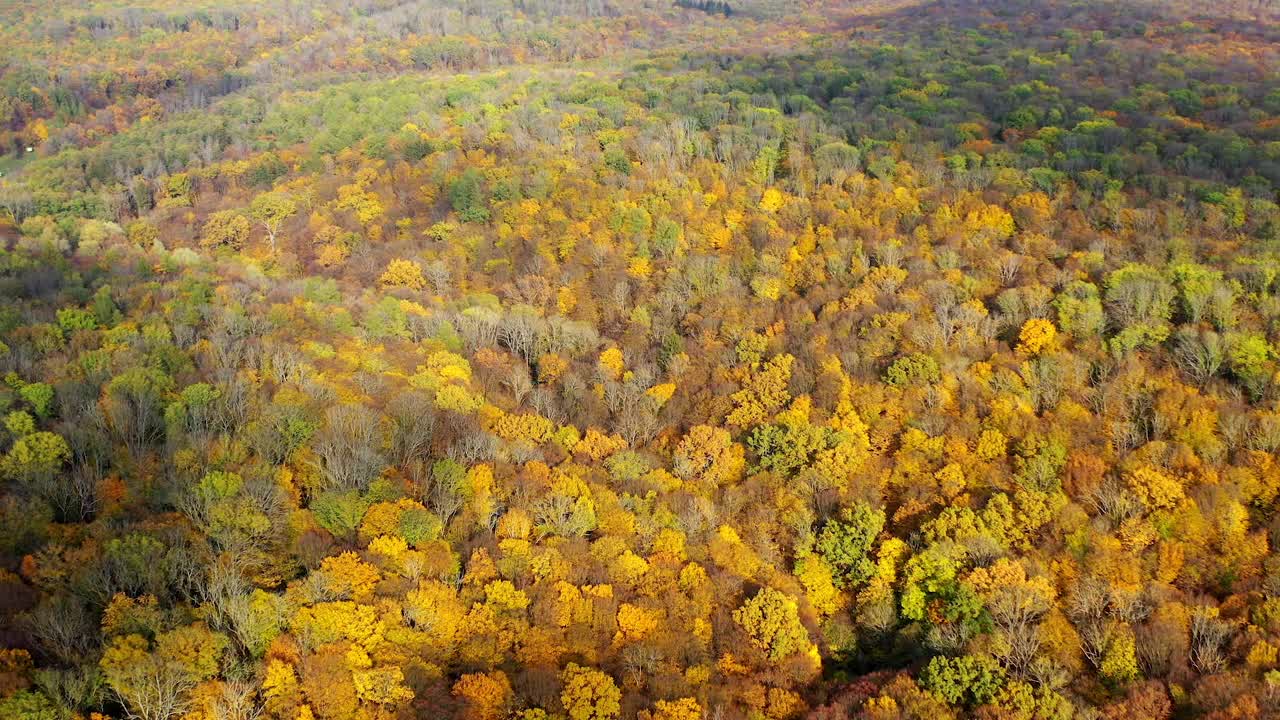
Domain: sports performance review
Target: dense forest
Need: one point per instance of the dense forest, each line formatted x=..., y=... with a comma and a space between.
x=598, y=359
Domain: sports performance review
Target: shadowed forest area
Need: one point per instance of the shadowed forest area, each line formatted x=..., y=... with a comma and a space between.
x=596, y=360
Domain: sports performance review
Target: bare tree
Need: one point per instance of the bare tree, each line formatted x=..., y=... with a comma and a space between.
x=413, y=426
x=154, y=689
x=238, y=700
x=347, y=448
x=1200, y=354
x=1209, y=638
x=1017, y=610
x=518, y=383
x=62, y=627
x=437, y=488
x=16, y=201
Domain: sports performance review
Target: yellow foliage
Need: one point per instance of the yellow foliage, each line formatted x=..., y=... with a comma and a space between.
x=1154, y=488
x=382, y=686
x=729, y=665
x=772, y=200
x=992, y=444
x=816, y=578
x=332, y=254
x=1005, y=575
x=629, y=568
x=1036, y=336
x=435, y=608
x=279, y=686
x=681, y=709
x=389, y=546
x=367, y=206
x=763, y=394
x=951, y=481
x=515, y=523
x=333, y=621
x=709, y=456
x=384, y=518
x=640, y=267
x=1262, y=656
x=1033, y=207
x=729, y=552
x=769, y=287
x=486, y=695
x=612, y=363
x=661, y=393
x=719, y=237
x=771, y=620
x=669, y=542
x=566, y=300
x=458, y=399
x=194, y=648
x=635, y=623
x=441, y=369
x=551, y=367
x=120, y=658
x=597, y=446
x=692, y=577
x=783, y=704
x=589, y=694
x=990, y=219
x=571, y=606
x=530, y=427
x=504, y=596
x=1171, y=556
x=124, y=615
x=403, y=273
x=347, y=576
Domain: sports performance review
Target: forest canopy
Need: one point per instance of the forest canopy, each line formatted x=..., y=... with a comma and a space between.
x=587, y=360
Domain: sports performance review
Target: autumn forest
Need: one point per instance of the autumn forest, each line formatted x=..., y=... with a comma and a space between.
x=639, y=360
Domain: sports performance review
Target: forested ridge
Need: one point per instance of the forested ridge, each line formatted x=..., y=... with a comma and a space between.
x=590, y=360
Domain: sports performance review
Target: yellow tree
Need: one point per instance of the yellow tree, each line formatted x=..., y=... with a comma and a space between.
x=1036, y=336
x=346, y=576
x=589, y=694
x=486, y=695
x=683, y=709
x=763, y=393
x=709, y=456
x=772, y=620
x=228, y=227
x=403, y=273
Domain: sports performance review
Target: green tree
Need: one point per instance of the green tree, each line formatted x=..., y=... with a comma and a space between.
x=966, y=680
x=1196, y=285
x=1138, y=295
x=914, y=369
x=230, y=516
x=271, y=210
x=787, y=447
x=30, y=705
x=467, y=196
x=845, y=544
x=387, y=319
x=72, y=319
x=1079, y=308
x=1250, y=355
x=39, y=396
x=135, y=401
x=35, y=458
